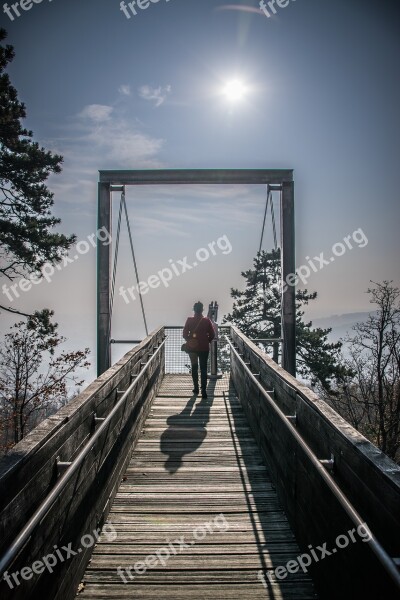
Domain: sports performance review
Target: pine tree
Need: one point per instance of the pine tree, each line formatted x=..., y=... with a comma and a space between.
x=27, y=239
x=257, y=313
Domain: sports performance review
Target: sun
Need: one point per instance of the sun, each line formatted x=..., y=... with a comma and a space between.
x=234, y=90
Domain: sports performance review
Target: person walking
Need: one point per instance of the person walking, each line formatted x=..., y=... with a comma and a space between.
x=198, y=333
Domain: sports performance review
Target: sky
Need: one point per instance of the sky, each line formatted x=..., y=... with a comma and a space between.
x=316, y=90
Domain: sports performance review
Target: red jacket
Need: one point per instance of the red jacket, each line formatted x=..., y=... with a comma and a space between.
x=204, y=333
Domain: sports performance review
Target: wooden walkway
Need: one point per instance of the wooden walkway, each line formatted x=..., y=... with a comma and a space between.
x=196, y=490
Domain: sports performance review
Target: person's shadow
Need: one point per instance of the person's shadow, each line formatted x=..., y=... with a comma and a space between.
x=186, y=432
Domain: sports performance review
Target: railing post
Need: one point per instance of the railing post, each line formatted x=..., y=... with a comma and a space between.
x=213, y=316
x=213, y=358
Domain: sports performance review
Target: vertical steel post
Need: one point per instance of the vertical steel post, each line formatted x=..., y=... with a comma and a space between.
x=213, y=359
x=288, y=268
x=104, y=220
x=213, y=315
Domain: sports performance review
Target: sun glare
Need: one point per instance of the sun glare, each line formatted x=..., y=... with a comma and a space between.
x=234, y=90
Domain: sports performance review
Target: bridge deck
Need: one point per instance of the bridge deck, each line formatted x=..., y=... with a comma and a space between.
x=196, y=473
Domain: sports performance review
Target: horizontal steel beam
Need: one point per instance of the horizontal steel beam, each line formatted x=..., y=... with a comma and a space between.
x=196, y=176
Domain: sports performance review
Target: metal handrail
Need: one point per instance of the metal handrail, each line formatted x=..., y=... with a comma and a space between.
x=383, y=557
x=266, y=339
x=25, y=534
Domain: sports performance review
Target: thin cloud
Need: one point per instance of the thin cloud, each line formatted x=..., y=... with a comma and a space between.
x=100, y=139
x=241, y=8
x=124, y=90
x=129, y=147
x=96, y=112
x=113, y=139
x=194, y=204
x=156, y=95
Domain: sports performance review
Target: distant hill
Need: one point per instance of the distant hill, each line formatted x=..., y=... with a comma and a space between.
x=341, y=324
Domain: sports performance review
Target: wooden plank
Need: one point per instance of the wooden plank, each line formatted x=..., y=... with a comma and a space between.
x=197, y=562
x=196, y=591
x=247, y=539
x=244, y=521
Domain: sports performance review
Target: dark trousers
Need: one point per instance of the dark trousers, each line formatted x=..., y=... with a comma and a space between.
x=195, y=358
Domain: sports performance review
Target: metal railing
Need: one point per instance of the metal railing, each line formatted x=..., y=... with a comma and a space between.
x=322, y=467
x=178, y=362
x=69, y=470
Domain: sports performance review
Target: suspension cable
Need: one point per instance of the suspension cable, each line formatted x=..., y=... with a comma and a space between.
x=285, y=352
x=114, y=274
x=134, y=263
x=265, y=217
x=270, y=202
x=273, y=222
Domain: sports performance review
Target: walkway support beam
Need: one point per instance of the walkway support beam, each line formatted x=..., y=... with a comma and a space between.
x=288, y=270
x=197, y=176
x=104, y=261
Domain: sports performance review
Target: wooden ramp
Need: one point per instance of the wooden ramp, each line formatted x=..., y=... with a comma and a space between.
x=196, y=515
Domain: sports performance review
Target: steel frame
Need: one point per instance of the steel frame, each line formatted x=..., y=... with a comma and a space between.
x=113, y=181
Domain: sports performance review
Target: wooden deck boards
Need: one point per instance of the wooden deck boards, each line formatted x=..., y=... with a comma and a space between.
x=195, y=478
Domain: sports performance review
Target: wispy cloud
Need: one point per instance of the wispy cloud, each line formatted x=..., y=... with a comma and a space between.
x=156, y=95
x=125, y=146
x=96, y=112
x=193, y=204
x=241, y=8
x=100, y=137
x=145, y=226
x=124, y=90
x=114, y=139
